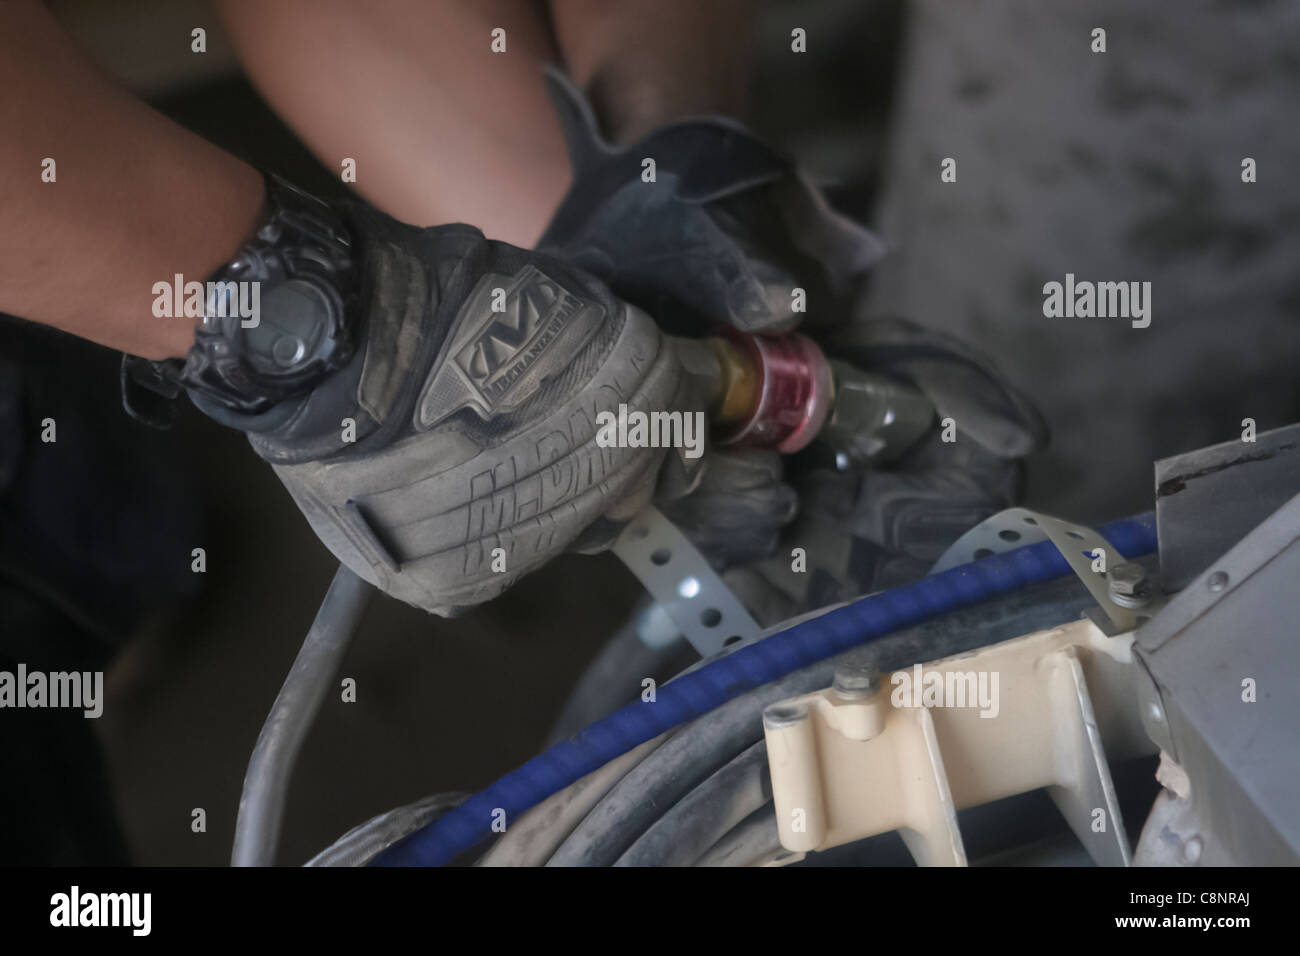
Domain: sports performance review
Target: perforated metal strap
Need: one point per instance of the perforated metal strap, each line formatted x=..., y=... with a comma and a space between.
x=1078, y=544
x=682, y=582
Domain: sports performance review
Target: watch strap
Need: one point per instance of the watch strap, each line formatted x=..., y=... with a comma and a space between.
x=299, y=242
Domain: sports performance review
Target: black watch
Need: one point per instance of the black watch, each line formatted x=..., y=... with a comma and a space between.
x=278, y=318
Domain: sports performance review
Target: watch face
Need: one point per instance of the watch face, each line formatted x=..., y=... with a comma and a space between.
x=294, y=330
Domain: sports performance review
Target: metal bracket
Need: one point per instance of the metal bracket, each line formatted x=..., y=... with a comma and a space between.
x=1089, y=787
x=845, y=766
x=1078, y=544
x=686, y=587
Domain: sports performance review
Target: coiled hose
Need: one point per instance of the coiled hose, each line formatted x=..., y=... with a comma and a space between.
x=744, y=669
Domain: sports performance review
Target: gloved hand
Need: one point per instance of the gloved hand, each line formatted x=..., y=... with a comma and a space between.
x=456, y=451
x=863, y=532
x=723, y=236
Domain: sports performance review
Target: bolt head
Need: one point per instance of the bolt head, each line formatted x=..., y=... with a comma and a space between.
x=857, y=680
x=778, y=716
x=1129, y=579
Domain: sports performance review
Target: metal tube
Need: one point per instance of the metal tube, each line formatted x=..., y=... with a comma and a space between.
x=261, y=805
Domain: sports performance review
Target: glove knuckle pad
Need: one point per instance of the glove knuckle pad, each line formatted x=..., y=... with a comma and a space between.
x=501, y=469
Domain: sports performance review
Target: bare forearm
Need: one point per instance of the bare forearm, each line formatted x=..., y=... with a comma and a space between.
x=649, y=62
x=441, y=127
x=133, y=199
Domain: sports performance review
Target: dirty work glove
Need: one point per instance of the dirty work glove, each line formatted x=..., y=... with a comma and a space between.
x=456, y=449
x=739, y=507
x=723, y=235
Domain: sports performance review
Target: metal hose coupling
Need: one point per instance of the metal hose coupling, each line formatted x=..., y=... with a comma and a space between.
x=781, y=392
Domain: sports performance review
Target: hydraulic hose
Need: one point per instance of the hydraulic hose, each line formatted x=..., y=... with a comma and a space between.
x=756, y=838
x=706, y=814
x=532, y=840
x=363, y=843
x=744, y=669
x=266, y=783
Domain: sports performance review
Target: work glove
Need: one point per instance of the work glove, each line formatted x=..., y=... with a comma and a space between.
x=457, y=450
x=722, y=236
x=723, y=231
x=702, y=224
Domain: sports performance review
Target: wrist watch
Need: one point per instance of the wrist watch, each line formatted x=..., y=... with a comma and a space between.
x=278, y=318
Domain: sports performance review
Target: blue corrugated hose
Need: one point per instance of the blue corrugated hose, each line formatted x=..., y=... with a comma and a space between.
x=712, y=685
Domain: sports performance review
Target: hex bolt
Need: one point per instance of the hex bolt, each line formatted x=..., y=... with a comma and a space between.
x=778, y=716
x=1129, y=585
x=856, y=681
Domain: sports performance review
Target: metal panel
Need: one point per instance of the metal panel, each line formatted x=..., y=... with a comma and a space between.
x=1233, y=630
x=1207, y=500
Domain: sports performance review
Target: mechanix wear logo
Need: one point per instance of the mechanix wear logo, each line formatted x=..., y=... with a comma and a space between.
x=511, y=334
